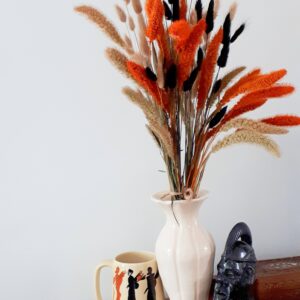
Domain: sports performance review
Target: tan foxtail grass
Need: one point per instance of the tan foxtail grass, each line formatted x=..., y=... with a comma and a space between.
x=118, y=60
x=100, y=19
x=131, y=23
x=121, y=13
x=137, y=6
x=233, y=10
x=128, y=41
x=249, y=137
x=261, y=127
x=161, y=131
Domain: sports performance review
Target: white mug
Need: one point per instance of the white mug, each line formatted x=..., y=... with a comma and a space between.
x=135, y=277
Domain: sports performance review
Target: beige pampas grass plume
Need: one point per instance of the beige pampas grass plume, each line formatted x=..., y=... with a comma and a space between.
x=216, y=8
x=131, y=23
x=233, y=10
x=250, y=137
x=128, y=41
x=118, y=60
x=143, y=43
x=160, y=131
x=100, y=19
x=121, y=13
x=127, y=2
x=141, y=23
x=193, y=18
x=137, y=6
x=261, y=127
x=138, y=59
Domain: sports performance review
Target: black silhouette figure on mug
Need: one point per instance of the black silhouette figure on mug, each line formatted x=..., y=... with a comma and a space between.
x=133, y=284
x=151, y=284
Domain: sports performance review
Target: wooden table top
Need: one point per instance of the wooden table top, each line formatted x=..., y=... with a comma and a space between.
x=277, y=279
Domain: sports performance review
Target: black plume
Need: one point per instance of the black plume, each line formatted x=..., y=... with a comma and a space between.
x=168, y=12
x=226, y=30
x=218, y=117
x=176, y=10
x=238, y=33
x=200, y=55
x=223, y=58
x=150, y=74
x=171, y=77
x=210, y=17
x=199, y=9
x=188, y=84
x=217, y=86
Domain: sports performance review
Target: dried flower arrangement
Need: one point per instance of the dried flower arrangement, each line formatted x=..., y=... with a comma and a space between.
x=172, y=55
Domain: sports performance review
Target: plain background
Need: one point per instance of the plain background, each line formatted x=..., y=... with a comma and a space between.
x=77, y=166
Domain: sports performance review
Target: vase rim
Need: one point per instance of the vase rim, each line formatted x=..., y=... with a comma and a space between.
x=203, y=195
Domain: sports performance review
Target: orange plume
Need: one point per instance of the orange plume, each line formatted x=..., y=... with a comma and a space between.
x=183, y=9
x=252, y=82
x=283, y=120
x=139, y=74
x=273, y=92
x=187, y=55
x=233, y=91
x=155, y=14
x=208, y=68
x=180, y=32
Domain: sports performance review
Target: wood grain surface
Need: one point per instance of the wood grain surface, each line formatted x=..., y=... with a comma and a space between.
x=277, y=279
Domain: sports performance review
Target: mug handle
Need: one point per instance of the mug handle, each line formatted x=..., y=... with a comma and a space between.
x=105, y=263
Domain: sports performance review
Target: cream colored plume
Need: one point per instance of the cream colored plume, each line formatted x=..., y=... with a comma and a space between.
x=100, y=19
x=137, y=6
x=119, y=60
x=257, y=126
x=121, y=13
x=250, y=137
x=161, y=131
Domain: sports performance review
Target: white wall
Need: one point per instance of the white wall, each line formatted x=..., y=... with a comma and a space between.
x=77, y=167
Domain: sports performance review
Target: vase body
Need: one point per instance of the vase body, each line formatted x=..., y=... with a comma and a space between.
x=184, y=250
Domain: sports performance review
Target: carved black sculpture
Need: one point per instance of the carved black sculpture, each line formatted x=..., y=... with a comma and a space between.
x=236, y=269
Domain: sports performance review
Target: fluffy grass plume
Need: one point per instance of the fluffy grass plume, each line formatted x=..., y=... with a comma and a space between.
x=283, y=120
x=208, y=68
x=155, y=14
x=100, y=19
x=118, y=60
x=249, y=137
x=175, y=55
x=258, y=126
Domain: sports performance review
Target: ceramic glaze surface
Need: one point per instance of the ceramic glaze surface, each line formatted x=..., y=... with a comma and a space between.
x=184, y=250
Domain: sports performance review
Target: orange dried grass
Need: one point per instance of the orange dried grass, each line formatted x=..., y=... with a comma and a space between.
x=188, y=50
x=283, y=120
x=208, y=68
x=183, y=9
x=155, y=14
x=252, y=82
x=234, y=90
x=180, y=32
x=139, y=74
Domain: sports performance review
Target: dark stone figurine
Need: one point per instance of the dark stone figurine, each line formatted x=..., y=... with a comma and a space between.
x=236, y=269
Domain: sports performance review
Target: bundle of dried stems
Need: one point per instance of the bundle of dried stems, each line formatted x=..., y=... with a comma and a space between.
x=175, y=59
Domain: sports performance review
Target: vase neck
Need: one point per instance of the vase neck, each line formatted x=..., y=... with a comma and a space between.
x=182, y=212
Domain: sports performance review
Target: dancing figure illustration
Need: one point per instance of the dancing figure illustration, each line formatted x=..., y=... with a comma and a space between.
x=118, y=279
x=133, y=283
x=151, y=284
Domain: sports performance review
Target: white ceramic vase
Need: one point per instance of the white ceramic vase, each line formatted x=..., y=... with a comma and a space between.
x=184, y=250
